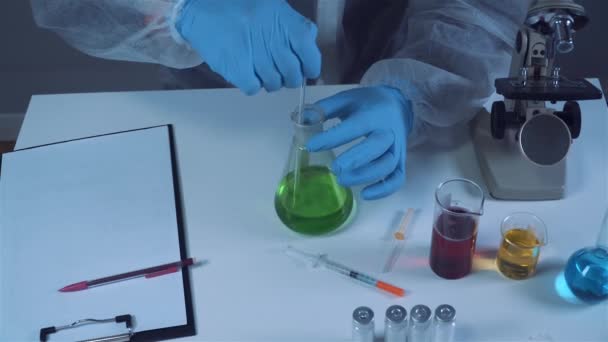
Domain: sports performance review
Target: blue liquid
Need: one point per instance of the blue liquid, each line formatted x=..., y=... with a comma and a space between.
x=587, y=274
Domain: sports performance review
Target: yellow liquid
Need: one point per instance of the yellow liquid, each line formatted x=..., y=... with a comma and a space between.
x=518, y=254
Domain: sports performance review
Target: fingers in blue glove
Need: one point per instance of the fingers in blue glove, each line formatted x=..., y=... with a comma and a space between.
x=289, y=67
x=343, y=133
x=374, y=146
x=338, y=105
x=242, y=77
x=376, y=170
x=385, y=187
x=303, y=41
x=266, y=71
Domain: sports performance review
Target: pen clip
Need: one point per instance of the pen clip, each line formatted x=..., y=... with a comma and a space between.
x=168, y=270
x=126, y=319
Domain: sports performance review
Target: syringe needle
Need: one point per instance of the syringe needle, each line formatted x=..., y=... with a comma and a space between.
x=322, y=259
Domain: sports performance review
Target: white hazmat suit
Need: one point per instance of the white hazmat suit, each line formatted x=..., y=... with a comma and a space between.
x=448, y=52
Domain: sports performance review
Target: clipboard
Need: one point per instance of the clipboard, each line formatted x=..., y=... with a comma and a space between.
x=161, y=153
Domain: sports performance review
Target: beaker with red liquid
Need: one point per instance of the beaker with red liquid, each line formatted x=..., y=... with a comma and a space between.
x=458, y=207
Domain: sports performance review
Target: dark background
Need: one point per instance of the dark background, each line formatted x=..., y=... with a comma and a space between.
x=35, y=61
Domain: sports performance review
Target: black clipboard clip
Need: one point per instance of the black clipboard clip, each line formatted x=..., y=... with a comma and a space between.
x=127, y=319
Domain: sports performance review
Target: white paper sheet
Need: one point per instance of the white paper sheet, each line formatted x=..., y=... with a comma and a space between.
x=81, y=210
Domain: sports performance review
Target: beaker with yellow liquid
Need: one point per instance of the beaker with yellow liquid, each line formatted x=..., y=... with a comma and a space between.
x=523, y=234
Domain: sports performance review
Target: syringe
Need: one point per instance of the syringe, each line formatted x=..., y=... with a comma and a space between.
x=322, y=260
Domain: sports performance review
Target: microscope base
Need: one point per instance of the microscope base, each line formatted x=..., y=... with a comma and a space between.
x=508, y=174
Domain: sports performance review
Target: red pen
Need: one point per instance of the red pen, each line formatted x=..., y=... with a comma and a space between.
x=149, y=272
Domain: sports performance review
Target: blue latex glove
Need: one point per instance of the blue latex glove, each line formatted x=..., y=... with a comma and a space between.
x=384, y=117
x=252, y=44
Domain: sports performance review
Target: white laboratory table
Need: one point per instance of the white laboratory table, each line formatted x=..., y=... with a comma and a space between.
x=231, y=151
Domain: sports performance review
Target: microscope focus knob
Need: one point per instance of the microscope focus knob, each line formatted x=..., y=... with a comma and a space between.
x=498, y=119
x=572, y=117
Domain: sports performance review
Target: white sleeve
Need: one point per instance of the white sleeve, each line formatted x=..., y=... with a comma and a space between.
x=454, y=51
x=134, y=30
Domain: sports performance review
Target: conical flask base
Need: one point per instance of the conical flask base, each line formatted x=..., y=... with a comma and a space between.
x=310, y=201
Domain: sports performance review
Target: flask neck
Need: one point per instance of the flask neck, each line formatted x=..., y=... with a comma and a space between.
x=307, y=123
x=303, y=134
x=602, y=239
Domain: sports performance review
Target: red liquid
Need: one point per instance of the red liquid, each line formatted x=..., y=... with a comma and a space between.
x=453, y=245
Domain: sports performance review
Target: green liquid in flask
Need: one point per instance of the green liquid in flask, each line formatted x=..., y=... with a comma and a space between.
x=312, y=202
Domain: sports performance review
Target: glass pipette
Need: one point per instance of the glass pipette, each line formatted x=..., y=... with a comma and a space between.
x=302, y=101
x=301, y=154
x=322, y=260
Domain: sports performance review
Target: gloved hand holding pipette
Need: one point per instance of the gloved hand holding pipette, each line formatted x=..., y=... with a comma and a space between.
x=252, y=44
x=384, y=117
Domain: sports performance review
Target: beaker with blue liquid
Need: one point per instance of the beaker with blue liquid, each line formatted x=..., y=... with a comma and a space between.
x=586, y=272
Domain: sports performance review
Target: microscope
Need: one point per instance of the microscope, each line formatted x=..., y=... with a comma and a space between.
x=522, y=144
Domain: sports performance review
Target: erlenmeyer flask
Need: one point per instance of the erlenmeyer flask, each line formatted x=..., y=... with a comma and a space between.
x=309, y=199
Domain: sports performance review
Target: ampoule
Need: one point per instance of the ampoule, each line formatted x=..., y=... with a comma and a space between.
x=444, y=324
x=395, y=324
x=420, y=324
x=363, y=324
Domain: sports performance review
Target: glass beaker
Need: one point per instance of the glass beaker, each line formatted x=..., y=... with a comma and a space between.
x=309, y=199
x=522, y=236
x=458, y=206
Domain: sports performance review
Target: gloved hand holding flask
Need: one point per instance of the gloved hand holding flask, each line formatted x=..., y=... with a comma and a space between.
x=384, y=117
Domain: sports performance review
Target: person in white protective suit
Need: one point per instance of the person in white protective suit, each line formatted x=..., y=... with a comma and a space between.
x=425, y=67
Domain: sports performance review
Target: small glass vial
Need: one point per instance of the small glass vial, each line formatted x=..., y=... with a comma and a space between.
x=395, y=324
x=444, y=325
x=363, y=324
x=420, y=323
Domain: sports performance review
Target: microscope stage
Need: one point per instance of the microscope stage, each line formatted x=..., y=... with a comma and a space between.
x=544, y=89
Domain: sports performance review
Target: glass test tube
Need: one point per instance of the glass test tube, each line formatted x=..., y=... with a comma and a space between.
x=363, y=324
x=444, y=325
x=420, y=322
x=395, y=324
